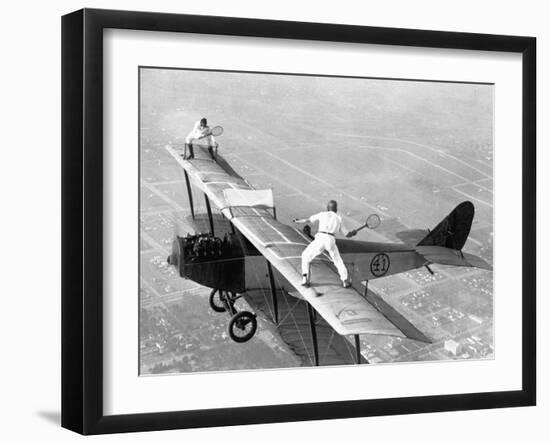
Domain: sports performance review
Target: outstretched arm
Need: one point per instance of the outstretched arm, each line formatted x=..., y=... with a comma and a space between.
x=311, y=219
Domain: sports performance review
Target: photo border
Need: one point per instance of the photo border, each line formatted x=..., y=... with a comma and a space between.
x=82, y=220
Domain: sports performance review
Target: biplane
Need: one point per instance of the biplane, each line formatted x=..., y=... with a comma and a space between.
x=256, y=246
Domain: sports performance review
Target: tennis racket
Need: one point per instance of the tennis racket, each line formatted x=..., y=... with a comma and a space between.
x=372, y=222
x=215, y=131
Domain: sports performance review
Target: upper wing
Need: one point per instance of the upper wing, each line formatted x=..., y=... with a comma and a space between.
x=344, y=309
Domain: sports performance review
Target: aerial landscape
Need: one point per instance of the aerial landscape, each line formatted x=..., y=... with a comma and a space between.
x=409, y=151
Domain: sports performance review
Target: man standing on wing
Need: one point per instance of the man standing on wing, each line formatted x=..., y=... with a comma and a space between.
x=329, y=224
x=200, y=130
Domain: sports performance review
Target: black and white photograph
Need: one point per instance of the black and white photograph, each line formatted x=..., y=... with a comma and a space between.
x=291, y=221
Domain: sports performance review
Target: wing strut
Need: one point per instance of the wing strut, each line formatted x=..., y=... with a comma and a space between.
x=313, y=333
x=358, y=350
x=273, y=293
x=189, y=193
x=209, y=210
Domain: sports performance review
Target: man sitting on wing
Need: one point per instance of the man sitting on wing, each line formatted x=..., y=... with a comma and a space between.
x=200, y=130
x=329, y=224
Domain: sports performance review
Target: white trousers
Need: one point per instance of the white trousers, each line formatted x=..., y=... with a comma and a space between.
x=209, y=139
x=321, y=243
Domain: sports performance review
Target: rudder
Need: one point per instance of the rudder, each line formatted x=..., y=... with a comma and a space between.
x=452, y=232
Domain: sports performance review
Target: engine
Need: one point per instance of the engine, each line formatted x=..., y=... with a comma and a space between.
x=210, y=261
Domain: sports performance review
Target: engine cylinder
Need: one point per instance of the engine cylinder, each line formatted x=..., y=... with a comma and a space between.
x=210, y=261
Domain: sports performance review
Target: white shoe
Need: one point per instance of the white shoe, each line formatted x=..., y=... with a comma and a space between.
x=346, y=283
x=305, y=280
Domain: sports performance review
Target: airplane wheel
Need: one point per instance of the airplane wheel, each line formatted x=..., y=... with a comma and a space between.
x=242, y=326
x=215, y=300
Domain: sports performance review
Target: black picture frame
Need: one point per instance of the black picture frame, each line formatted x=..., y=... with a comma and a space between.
x=82, y=216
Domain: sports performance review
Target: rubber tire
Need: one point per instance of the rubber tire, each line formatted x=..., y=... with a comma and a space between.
x=232, y=324
x=212, y=300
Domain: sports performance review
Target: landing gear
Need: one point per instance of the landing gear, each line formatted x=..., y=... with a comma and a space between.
x=243, y=324
x=217, y=300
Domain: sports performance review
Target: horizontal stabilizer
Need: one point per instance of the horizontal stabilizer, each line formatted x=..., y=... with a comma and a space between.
x=451, y=257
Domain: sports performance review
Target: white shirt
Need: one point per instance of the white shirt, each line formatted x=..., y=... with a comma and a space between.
x=329, y=222
x=198, y=132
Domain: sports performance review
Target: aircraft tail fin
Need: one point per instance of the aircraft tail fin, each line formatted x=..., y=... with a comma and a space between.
x=452, y=232
x=443, y=245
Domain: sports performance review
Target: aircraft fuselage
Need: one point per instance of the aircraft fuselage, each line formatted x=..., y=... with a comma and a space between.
x=228, y=261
